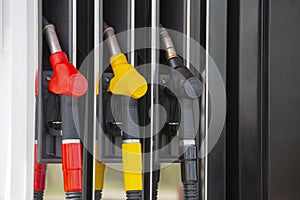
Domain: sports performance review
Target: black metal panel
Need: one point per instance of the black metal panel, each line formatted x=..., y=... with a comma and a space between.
x=246, y=102
x=248, y=82
x=284, y=100
x=217, y=47
x=249, y=100
x=58, y=13
x=232, y=84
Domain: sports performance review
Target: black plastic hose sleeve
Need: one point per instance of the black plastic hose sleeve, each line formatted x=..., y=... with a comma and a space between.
x=189, y=172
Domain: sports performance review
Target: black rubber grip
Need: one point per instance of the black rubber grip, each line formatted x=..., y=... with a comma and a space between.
x=69, y=117
x=98, y=194
x=134, y=195
x=190, y=191
x=74, y=195
x=189, y=172
x=156, y=178
x=155, y=191
x=38, y=195
x=187, y=124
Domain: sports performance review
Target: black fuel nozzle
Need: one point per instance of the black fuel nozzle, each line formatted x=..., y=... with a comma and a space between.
x=187, y=87
x=182, y=79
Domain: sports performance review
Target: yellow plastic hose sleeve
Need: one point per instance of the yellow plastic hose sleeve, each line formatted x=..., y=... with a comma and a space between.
x=132, y=166
x=99, y=171
x=99, y=175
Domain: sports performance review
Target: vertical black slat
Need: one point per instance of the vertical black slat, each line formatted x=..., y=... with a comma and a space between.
x=232, y=137
x=264, y=90
x=172, y=14
x=143, y=19
x=203, y=23
x=249, y=100
x=85, y=45
x=284, y=100
x=217, y=51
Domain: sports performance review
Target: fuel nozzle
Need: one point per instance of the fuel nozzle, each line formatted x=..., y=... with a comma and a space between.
x=127, y=80
x=182, y=81
x=67, y=82
x=187, y=88
x=129, y=85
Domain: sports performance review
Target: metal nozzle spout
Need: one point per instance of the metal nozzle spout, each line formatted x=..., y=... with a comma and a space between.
x=113, y=45
x=167, y=43
x=51, y=37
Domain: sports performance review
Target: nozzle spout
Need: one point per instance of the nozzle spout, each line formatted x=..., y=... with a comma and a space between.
x=51, y=37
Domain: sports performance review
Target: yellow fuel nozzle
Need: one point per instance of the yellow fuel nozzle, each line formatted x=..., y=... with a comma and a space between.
x=127, y=80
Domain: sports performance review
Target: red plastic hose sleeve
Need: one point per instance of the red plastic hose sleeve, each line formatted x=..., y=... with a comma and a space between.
x=72, y=166
x=39, y=172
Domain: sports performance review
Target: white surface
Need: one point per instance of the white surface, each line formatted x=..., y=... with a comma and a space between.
x=1, y=26
x=17, y=66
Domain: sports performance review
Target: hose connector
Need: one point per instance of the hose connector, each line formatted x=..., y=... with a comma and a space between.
x=167, y=44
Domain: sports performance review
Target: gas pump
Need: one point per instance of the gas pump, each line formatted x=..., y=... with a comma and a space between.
x=125, y=87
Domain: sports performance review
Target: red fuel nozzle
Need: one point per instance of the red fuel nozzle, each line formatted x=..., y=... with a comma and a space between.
x=67, y=79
